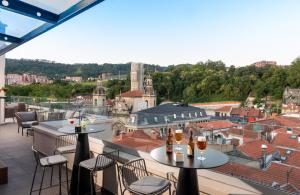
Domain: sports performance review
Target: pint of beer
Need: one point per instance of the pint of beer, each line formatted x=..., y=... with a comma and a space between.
x=201, y=142
x=178, y=135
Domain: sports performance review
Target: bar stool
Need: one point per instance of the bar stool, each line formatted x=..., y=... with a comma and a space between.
x=101, y=162
x=49, y=161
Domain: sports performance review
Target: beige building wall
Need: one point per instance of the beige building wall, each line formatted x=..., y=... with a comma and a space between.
x=2, y=84
x=99, y=100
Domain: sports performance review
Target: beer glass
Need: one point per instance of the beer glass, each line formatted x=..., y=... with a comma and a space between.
x=178, y=137
x=201, y=143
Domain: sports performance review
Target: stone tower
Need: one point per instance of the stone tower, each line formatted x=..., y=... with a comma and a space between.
x=149, y=95
x=137, y=76
x=99, y=95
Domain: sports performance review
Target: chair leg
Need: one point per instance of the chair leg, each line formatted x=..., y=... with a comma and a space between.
x=119, y=177
x=42, y=180
x=22, y=131
x=78, y=181
x=51, y=175
x=33, y=178
x=92, y=182
x=67, y=178
x=18, y=129
x=59, y=172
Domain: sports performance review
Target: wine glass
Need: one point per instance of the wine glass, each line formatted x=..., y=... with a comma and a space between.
x=178, y=137
x=71, y=121
x=201, y=143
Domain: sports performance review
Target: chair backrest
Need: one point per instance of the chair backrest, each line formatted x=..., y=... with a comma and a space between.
x=36, y=154
x=27, y=116
x=10, y=111
x=132, y=171
x=105, y=158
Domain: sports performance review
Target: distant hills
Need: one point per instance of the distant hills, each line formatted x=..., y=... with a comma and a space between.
x=54, y=70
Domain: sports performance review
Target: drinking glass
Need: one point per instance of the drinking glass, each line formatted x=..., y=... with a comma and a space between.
x=178, y=137
x=201, y=143
x=71, y=121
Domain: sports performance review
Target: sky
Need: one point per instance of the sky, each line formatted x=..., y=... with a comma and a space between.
x=166, y=32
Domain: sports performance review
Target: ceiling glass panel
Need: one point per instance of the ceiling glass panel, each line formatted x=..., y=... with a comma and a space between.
x=17, y=25
x=3, y=44
x=54, y=6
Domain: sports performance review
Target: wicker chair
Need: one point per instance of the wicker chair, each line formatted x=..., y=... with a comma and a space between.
x=9, y=112
x=101, y=162
x=137, y=180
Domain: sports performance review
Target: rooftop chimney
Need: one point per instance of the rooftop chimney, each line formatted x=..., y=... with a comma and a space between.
x=289, y=130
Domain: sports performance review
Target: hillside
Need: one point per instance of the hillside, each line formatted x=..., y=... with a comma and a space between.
x=59, y=70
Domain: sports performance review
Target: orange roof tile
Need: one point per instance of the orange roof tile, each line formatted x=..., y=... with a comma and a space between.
x=275, y=173
x=224, y=109
x=252, y=149
x=135, y=93
x=221, y=124
x=286, y=140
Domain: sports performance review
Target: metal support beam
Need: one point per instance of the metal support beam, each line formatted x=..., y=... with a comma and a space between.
x=29, y=10
x=10, y=39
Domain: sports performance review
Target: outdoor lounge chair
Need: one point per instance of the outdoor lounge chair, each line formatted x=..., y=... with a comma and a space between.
x=26, y=120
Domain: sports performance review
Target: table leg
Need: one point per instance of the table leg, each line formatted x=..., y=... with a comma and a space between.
x=187, y=182
x=82, y=153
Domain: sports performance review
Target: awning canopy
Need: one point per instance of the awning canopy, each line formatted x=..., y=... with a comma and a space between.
x=22, y=20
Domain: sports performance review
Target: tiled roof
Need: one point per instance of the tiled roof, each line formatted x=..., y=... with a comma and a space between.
x=138, y=140
x=244, y=132
x=293, y=159
x=288, y=121
x=221, y=124
x=224, y=109
x=247, y=112
x=275, y=173
x=286, y=140
x=252, y=149
x=135, y=93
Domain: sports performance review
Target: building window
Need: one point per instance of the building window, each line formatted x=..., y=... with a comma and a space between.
x=195, y=114
x=190, y=115
x=155, y=119
x=174, y=116
x=200, y=113
x=182, y=115
x=132, y=119
x=166, y=119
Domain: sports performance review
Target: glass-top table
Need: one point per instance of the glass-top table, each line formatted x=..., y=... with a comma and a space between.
x=188, y=179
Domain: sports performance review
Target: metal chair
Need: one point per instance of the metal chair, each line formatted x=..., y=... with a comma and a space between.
x=172, y=178
x=49, y=161
x=65, y=144
x=101, y=162
x=137, y=180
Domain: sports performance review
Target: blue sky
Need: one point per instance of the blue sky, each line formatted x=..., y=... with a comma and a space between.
x=238, y=32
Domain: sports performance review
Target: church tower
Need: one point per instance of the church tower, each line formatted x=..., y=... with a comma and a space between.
x=137, y=76
x=149, y=95
x=99, y=95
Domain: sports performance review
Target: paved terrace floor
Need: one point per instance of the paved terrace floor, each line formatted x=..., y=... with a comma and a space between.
x=16, y=154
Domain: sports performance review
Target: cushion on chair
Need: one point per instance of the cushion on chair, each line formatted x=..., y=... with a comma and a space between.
x=27, y=116
x=149, y=185
x=66, y=149
x=29, y=124
x=103, y=163
x=53, y=160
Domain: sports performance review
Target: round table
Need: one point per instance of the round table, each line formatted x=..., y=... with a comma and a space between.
x=82, y=153
x=187, y=179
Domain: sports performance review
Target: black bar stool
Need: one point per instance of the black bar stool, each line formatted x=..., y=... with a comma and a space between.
x=49, y=161
x=101, y=162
